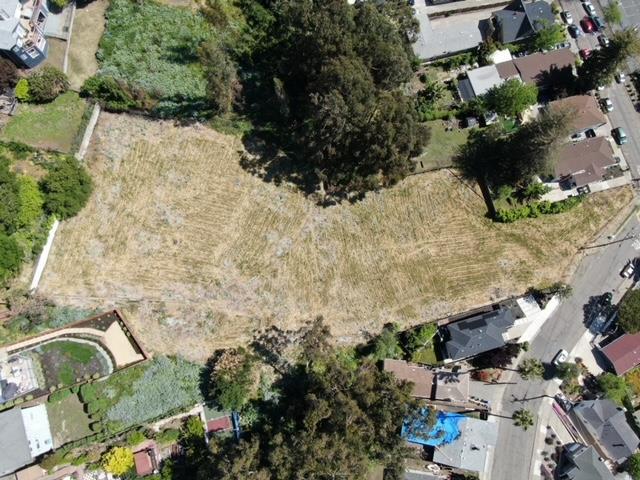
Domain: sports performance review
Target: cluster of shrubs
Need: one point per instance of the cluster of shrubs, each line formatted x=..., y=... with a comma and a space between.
x=42, y=86
x=116, y=95
x=12, y=403
x=535, y=209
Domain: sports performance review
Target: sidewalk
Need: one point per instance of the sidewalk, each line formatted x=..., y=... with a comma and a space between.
x=460, y=6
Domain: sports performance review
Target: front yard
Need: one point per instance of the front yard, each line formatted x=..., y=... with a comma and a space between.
x=52, y=126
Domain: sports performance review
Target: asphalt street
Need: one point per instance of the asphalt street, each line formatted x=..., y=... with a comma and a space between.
x=599, y=272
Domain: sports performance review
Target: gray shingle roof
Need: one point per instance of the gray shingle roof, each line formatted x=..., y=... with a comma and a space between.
x=522, y=19
x=478, y=334
x=14, y=446
x=607, y=424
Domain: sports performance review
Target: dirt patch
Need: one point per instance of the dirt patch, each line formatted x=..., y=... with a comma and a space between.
x=88, y=27
x=202, y=254
x=55, y=57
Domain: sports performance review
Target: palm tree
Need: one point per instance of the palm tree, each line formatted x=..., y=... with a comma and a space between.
x=531, y=368
x=523, y=418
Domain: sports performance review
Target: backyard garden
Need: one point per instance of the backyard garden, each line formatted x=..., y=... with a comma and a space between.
x=66, y=362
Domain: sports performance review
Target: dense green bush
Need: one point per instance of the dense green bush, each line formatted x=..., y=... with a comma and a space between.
x=59, y=395
x=155, y=47
x=166, y=385
x=11, y=256
x=536, y=209
x=168, y=436
x=67, y=187
x=31, y=201
x=22, y=90
x=46, y=84
x=115, y=95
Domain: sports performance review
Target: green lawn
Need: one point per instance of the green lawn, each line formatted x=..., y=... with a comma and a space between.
x=426, y=355
x=442, y=147
x=78, y=352
x=52, y=126
x=67, y=420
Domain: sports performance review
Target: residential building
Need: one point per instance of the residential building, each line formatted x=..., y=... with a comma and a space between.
x=584, y=112
x=604, y=425
x=25, y=436
x=478, y=334
x=521, y=20
x=586, y=162
x=146, y=460
x=439, y=384
x=623, y=354
x=580, y=462
x=22, y=25
x=471, y=449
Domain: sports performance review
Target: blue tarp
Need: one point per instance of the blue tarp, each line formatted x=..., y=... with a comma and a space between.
x=446, y=429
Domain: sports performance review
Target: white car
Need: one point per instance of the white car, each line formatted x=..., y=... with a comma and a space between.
x=620, y=77
x=568, y=18
x=589, y=8
x=628, y=270
x=560, y=357
x=607, y=104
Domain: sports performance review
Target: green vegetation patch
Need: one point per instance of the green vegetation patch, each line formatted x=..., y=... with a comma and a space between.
x=75, y=351
x=442, y=147
x=68, y=420
x=51, y=126
x=155, y=47
x=66, y=362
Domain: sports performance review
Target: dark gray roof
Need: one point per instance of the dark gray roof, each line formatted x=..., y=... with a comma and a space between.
x=14, y=446
x=522, y=19
x=607, y=424
x=466, y=90
x=478, y=334
x=583, y=463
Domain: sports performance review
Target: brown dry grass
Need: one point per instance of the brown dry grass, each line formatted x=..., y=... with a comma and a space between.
x=55, y=58
x=88, y=27
x=202, y=253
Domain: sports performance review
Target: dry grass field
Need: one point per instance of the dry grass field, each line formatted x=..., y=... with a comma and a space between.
x=200, y=253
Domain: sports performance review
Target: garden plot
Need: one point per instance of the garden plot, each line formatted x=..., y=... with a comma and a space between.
x=65, y=362
x=203, y=254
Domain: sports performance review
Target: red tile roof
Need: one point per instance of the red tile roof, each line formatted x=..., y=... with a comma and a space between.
x=623, y=353
x=144, y=464
x=219, y=424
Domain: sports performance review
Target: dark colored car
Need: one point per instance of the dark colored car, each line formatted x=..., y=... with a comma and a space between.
x=600, y=25
x=585, y=53
x=574, y=31
x=587, y=25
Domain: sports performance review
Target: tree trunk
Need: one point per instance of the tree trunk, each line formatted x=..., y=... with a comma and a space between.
x=486, y=194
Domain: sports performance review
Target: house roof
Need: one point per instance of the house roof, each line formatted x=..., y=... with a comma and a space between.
x=14, y=446
x=421, y=377
x=469, y=450
x=623, y=353
x=607, y=423
x=583, y=463
x=36, y=426
x=507, y=70
x=219, y=424
x=8, y=25
x=533, y=67
x=522, y=19
x=484, y=78
x=584, y=109
x=478, y=334
x=585, y=161
x=451, y=386
x=144, y=462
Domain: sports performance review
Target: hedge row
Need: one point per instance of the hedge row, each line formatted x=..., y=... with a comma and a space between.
x=535, y=209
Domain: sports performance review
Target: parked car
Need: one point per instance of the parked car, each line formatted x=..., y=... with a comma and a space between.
x=563, y=401
x=620, y=77
x=587, y=25
x=574, y=31
x=605, y=299
x=585, y=53
x=607, y=104
x=628, y=269
x=600, y=25
x=603, y=40
x=589, y=8
x=560, y=357
x=619, y=136
x=567, y=17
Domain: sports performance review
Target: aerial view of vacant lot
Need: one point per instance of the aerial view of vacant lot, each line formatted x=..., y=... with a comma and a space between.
x=201, y=254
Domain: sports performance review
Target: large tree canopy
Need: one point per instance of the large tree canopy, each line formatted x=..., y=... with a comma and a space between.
x=337, y=70
x=629, y=312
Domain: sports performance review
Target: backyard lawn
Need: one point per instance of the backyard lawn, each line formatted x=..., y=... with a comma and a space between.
x=442, y=147
x=52, y=126
x=67, y=420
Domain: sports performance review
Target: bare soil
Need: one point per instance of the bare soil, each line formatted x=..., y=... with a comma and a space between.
x=201, y=254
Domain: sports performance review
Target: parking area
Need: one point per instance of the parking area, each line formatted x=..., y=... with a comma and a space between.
x=448, y=35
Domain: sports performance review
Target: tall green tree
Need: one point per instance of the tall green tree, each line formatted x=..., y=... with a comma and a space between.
x=632, y=466
x=221, y=73
x=11, y=256
x=613, y=387
x=549, y=36
x=602, y=65
x=511, y=98
x=531, y=368
x=10, y=195
x=232, y=379
x=66, y=187
x=629, y=312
